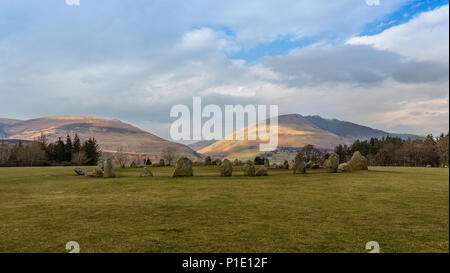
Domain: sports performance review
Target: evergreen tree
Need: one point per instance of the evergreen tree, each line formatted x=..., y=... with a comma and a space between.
x=59, y=150
x=76, y=144
x=68, y=149
x=92, y=150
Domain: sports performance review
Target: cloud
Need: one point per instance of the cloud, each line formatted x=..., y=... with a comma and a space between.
x=73, y=2
x=373, y=2
x=424, y=38
x=136, y=61
x=355, y=64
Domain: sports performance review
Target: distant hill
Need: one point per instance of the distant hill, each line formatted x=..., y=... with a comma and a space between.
x=3, y=123
x=110, y=134
x=351, y=130
x=294, y=131
x=201, y=144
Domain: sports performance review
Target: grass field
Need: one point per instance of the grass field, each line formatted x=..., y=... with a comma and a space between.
x=403, y=209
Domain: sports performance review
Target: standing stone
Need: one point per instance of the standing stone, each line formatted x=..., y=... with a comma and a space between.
x=236, y=162
x=133, y=165
x=98, y=171
x=299, y=165
x=343, y=168
x=332, y=162
x=262, y=171
x=226, y=168
x=249, y=168
x=100, y=166
x=80, y=171
x=109, y=169
x=146, y=172
x=358, y=162
x=183, y=167
x=208, y=161
x=266, y=163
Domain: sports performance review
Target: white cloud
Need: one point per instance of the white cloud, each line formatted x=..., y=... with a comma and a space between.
x=136, y=69
x=373, y=2
x=425, y=37
x=73, y=2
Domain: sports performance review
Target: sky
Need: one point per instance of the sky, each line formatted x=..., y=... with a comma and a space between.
x=379, y=63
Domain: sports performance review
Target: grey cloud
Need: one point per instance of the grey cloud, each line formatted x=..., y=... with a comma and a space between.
x=352, y=64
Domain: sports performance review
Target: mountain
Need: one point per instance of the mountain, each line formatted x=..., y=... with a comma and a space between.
x=4, y=122
x=110, y=134
x=350, y=130
x=201, y=144
x=294, y=131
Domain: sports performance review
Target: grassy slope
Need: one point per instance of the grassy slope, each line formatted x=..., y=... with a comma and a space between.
x=404, y=209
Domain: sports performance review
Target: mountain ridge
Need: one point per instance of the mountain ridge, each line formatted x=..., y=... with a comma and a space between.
x=352, y=130
x=295, y=131
x=111, y=134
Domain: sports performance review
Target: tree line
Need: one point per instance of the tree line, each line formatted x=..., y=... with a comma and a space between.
x=394, y=151
x=41, y=152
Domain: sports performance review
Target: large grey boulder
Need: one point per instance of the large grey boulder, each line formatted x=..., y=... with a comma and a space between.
x=183, y=167
x=262, y=171
x=343, y=168
x=358, y=162
x=80, y=171
x=299, y=165
x=226, y=168
x=108, y=169
x=332, y=162
x=146, y=172
x=249, y=168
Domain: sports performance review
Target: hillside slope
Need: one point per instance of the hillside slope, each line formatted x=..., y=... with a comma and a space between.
x=351, y=130
x=110, y=134
x=294, y=131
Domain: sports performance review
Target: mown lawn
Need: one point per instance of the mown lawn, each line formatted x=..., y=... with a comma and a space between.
x=403, y=209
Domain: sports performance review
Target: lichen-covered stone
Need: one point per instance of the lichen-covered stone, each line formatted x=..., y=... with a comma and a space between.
x=80, y=171
x=332, y=162
x=108, y=169
x=183, y=167
x=226, y=168
x=266, y=163
x=262, y=171
x=358, y=162
x=343, y=168
x=299, y=165
x=146, y=172
x=249, y=168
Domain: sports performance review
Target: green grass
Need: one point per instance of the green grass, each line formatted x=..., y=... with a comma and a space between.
x=404, y=209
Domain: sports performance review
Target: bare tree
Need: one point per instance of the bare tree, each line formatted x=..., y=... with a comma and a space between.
x=169, y=155
x=4, y=151
x=79, y=158
x=30, y=154
x=121, y=156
